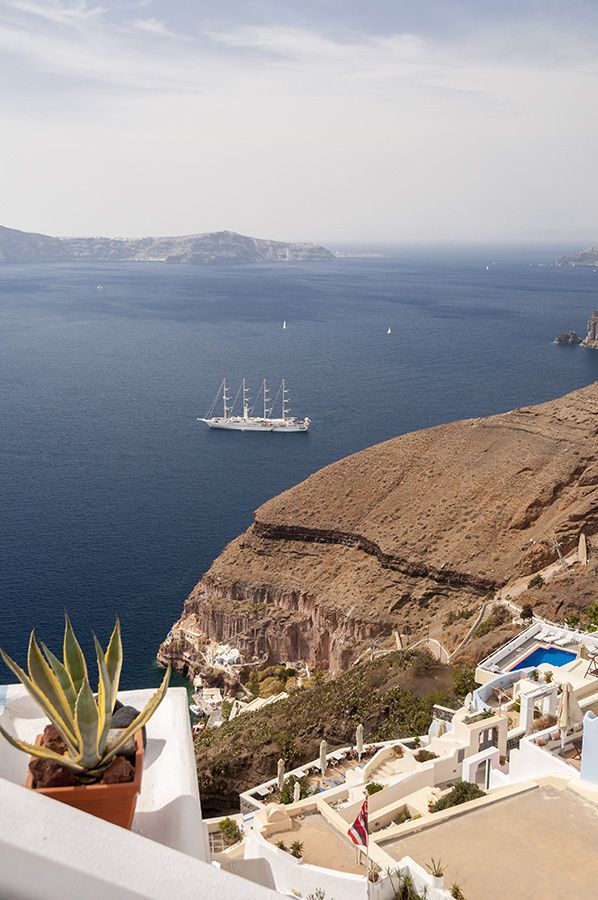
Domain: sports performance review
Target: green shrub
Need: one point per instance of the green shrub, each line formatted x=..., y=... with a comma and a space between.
x=461, y=793
x=536, y=582
x=424, y=755
x=373, y=787
x=282, y=846
x=296, y=849
x=527, y=611
x=225, y=710
x=457, y=893
x=288, y=789
x=230, y=831
x=458, y=616
x=463, y=680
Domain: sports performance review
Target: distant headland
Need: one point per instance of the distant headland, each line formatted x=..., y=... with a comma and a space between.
x=210, y=247
x=587, y=257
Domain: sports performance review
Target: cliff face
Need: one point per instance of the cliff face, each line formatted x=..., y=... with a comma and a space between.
x=212, y=247
x=591, y=339
x=399, y=535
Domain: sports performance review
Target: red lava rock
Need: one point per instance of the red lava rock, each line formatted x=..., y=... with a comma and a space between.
x=119, y=771
x=47, y=773
x=52, y=740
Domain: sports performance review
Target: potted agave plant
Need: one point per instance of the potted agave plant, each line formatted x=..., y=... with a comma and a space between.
x=81, y=759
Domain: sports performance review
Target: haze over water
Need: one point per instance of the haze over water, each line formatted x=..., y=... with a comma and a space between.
x=113, y=499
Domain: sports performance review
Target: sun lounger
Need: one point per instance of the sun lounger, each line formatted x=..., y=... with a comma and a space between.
x=563, y=641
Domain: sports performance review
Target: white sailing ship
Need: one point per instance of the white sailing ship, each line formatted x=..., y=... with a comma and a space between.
x=248, y=421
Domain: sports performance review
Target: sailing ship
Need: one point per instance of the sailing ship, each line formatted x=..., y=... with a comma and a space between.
x=248, y=421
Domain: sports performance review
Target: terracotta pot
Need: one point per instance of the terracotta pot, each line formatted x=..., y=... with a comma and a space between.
x=112, y=802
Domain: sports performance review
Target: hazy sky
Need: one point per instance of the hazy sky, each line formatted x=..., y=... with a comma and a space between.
x=404, y=120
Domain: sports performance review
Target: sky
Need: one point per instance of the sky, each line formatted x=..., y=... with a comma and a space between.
x=326, y=120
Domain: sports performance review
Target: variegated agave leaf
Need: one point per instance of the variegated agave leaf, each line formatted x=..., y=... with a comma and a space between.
x=74, y=661
x=65, y=729
x=42, y=752
x=140, y=720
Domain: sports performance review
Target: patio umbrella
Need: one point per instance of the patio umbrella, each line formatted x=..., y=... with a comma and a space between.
x=568, y=712
x=296, y=792
x=323, y=750
x=280, y=774
x=359, y=741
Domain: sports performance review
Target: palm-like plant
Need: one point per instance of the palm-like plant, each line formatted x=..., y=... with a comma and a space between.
x=63, y=691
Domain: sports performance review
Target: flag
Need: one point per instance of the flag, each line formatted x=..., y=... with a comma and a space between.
x=358, y=832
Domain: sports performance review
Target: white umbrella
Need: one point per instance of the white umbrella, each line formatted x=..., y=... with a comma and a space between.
x=323, y=750
x=568, y=712
x=297, y=792
x=280, y=774
x=359, y=741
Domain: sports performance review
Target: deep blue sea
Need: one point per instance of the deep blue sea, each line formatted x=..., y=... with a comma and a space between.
x=113, y=499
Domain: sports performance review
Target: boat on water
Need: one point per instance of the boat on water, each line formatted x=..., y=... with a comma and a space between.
x=389, y=330
x=248, y=421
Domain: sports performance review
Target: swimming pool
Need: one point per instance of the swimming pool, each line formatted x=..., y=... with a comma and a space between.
x=552, y=655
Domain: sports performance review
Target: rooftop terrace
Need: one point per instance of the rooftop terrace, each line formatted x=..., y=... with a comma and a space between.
x=540, y=843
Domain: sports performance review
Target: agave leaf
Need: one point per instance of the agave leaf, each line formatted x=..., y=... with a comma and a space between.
x=74, y=660
x=43, y=676
x=87, y=723
x=63, y=677
x=68, y=736
x=140, y=720
x=104, y=698
x=41, y=752
x=114, y=662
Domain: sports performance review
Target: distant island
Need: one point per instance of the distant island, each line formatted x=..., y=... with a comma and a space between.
x=209, y=247
x=587, y=257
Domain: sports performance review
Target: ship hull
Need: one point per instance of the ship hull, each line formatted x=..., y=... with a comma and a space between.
x=280, y=426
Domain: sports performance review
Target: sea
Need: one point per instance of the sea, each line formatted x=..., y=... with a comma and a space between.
x=114, y=499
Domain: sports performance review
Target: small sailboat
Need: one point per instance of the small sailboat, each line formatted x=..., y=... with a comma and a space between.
x=389, y=330
x=284, y=325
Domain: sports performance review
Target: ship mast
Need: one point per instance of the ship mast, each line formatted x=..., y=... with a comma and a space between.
x=284, y=401
x=265, y=390
x=245, y=401
x=225, y=399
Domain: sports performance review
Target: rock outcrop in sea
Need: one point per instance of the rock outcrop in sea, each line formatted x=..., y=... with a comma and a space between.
x=591, y=338
x=568, y=337
x=211, y=247
x=393, y=538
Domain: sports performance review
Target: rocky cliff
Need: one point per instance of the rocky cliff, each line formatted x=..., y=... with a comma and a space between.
x=591, y=339
x=400, y=535
x=211, y=247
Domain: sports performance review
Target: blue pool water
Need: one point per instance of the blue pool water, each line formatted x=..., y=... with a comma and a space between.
x=552, y=655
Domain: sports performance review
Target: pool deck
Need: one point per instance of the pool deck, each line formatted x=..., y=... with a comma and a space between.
x=541, y=843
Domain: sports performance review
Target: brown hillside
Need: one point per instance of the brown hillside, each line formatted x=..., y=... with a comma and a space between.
x=400, y=534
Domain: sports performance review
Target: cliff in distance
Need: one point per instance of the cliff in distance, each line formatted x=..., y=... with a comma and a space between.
x=211, y=247
x=399, y=537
